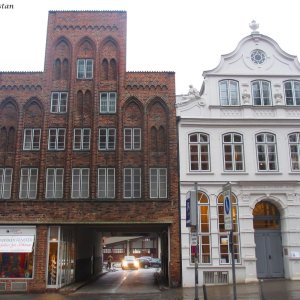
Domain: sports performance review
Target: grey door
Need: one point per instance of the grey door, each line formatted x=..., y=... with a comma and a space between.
x=268, y=250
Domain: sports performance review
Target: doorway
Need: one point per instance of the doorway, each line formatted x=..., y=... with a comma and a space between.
x=267, y=235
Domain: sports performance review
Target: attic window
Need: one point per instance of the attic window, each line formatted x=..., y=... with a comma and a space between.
x=258, y=56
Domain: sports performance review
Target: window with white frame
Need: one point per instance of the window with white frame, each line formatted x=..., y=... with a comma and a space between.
x=82, y=139
x=80, y=183
x=132, y=139
x=85, y=68
x=132, y=183
x=199, y=152
x=59, y=102
x=56, y=139
x=261, y=92
x=292, y=92
x=229, y=92
x=294, y=145
x=106, y=183
x=233, y=151
x=5, y=182
x=54, y=183
x=158, y=183
x=266, y=152
x=108, y=102
x=224, y=246
x=107, y=139
x=204, y=229
x=32, y=138
x=28, y=183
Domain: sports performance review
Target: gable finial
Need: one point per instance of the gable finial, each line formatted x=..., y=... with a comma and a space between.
x=254, y=26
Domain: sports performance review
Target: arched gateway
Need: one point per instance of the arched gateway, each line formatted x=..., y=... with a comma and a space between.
x=266, y=223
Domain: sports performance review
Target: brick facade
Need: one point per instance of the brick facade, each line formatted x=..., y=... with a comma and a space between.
x=145, y=100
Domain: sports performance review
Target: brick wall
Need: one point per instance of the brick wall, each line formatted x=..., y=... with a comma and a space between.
x=144, y=99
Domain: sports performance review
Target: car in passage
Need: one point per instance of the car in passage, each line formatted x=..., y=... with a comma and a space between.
x=144, y=262
x=155, y=263
x=130, y=263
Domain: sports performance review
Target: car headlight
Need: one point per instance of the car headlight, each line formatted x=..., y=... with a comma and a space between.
x=124, y=263
x=136, y=264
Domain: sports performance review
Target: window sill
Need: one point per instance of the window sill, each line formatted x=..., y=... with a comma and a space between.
x=200, y=173
x=234, y=173
x=294, y=173
x=268, y=173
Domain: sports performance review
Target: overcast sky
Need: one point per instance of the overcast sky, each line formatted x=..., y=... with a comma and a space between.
x=187, y=37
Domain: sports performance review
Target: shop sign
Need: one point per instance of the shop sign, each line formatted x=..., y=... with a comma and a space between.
x=16, y=243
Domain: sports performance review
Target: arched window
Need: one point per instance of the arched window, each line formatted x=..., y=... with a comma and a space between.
x=266, y=152
x=104, y=73
x=57, y=69
x=261, y=92
x=292, y=92
x=229, y=92
x=266, y=216
x=161, y=139
x=80, y=102
x=3, y=139
x=113, y=69
x=294, y=144
x=233, y=151
x=153, y=133
x=11, y=139
x=65, y=69
x=87, y=106
x=199, y=152
x=204, y=228
x=224, y=247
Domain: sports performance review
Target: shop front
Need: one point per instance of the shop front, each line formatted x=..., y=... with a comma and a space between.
x=17, y=247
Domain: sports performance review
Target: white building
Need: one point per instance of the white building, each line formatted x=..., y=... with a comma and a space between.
x=243, y=127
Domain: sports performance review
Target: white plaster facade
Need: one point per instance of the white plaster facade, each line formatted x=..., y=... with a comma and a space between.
x=202, y=113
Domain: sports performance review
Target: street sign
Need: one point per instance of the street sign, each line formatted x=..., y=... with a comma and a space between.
x=227, y=207
x=191, y=209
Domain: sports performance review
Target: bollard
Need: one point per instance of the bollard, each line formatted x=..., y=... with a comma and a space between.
x=204, y=292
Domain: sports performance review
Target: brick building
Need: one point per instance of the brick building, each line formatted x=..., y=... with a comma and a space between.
x=86, y=149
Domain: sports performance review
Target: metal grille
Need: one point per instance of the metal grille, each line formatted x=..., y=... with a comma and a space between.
x=19, y=286
x=2, y=286
x=215, y=277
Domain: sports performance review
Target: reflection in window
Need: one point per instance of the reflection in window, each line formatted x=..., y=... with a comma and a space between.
x=261, y=91
x=233, y=152
x=294, y=145
x=266, y=152
x=229, y=92
x=224, y=247
x=266, y=216
x=292, y=92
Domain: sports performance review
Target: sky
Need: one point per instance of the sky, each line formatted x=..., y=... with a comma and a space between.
x=187, y=37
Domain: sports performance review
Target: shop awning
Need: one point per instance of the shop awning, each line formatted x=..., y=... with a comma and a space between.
x=16, y=243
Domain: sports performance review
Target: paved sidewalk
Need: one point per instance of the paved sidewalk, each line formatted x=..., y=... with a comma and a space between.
x=271, y=290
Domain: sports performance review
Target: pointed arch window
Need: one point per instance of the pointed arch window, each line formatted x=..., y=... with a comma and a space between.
x=104, y=73
x=113, y=69
x=153, y=133
x=11, y=140
x=3, y=139
x=65, y=69
x=57, y=69
x=161, y=139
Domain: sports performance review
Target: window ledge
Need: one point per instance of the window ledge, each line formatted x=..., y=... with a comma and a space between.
x=200, y=173
x=234, y=173
x=268, y=173
x=294, y=173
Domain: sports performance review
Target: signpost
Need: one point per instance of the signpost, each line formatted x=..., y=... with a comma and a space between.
x=192, y=222
x=229, y=227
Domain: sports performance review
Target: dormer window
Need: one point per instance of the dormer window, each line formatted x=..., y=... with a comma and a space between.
x=229, y=92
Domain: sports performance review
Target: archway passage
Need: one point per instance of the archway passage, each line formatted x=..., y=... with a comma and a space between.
x=266, y=223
